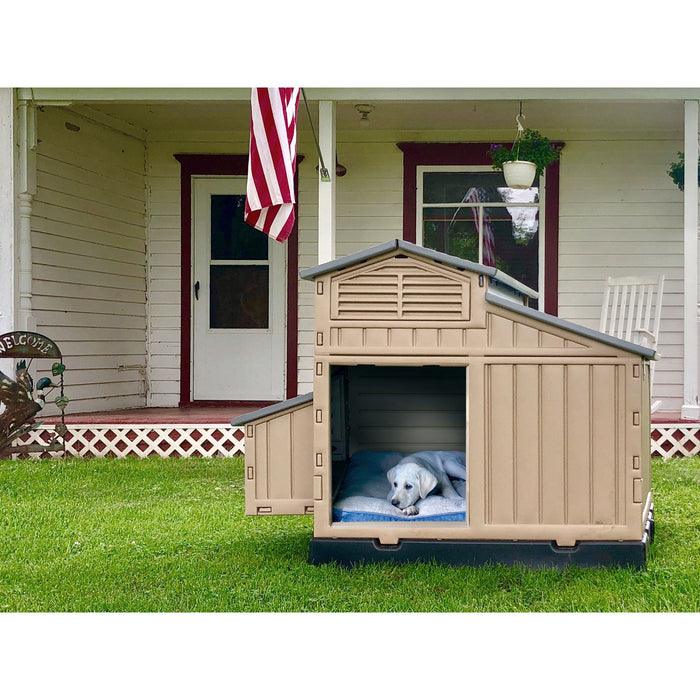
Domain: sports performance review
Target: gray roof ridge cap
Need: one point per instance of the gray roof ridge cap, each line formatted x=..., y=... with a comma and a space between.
x=406, y=246
x=272, y=408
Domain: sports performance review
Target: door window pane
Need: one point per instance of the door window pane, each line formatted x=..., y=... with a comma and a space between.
x=231, y=237
x=239, y=296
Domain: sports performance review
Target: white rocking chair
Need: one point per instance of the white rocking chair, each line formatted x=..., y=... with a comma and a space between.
x=632, y=311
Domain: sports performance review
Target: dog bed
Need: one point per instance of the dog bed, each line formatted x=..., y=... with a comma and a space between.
x=362, y=494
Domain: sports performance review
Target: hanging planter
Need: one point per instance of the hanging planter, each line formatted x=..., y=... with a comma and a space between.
x=530, y=151
x=519, y=174
x=676, y=171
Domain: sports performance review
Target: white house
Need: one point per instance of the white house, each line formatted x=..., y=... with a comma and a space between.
x=116, y=207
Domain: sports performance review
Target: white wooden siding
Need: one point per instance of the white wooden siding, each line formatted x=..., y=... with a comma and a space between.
x=88, y=255
x=164, y=252
x=620, y=214
x=369, y=210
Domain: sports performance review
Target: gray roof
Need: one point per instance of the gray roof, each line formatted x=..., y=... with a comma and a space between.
x=500, y=279
x=570, y=326
x=404, y=246
x=274, y=408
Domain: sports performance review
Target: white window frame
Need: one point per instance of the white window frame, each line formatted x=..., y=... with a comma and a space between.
x=422, y=169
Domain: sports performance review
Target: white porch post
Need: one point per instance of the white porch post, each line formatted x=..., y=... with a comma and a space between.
x=7, y=218
x=26, y=189
x=691, y=407
x=326, y=190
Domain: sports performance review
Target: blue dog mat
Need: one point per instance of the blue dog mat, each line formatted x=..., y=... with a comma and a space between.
x=362, y=495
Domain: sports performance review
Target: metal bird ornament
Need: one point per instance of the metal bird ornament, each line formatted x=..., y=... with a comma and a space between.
x=20, y=405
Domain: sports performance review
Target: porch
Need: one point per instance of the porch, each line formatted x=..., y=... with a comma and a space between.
x=105, y=241
x=210, y=431
x=190, y=431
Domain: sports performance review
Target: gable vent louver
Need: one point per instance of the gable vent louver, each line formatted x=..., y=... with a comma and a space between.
x=400, y=293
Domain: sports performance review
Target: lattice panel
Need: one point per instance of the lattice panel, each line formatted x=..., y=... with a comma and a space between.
x=675, y=440
x=145, y=440
x=667, y=440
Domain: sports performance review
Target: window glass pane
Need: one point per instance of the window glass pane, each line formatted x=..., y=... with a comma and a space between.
x=512, y=237
x=452, y=230
x=239, y=296
x=509, y=233
x=453, y=187
x=231, y=237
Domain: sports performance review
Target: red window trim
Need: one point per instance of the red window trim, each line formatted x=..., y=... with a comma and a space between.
x=415, y=154
x=226, y=164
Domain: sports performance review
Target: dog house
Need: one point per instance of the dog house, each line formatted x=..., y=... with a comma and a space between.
x=421, y=351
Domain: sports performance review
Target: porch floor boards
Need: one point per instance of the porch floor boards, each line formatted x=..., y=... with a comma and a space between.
x=185, y=415
x=223, y=414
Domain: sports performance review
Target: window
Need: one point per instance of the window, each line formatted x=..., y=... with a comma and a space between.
x=471, y=160
x=239, y=289
x=470, y=213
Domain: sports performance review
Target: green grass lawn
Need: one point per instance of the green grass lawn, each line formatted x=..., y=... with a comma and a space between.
x=168, y=535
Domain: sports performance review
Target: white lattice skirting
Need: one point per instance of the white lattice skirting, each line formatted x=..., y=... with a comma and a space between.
x=145, y=440
x=675, y=440
x=667, y=440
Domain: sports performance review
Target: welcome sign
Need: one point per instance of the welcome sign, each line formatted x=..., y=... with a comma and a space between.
x=27, y=344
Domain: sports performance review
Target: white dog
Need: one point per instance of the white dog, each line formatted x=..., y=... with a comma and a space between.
x=416, y=475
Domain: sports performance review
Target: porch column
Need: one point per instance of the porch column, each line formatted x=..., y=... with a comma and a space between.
x=26, y=189
x=691, y=407
x=7, y=219
x=326, y=190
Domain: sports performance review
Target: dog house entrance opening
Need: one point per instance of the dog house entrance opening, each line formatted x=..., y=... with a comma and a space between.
x=399, y=443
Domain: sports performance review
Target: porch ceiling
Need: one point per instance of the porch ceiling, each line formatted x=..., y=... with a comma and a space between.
x=418, y=115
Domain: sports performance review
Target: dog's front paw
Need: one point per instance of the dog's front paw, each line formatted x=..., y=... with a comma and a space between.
x=411, y=510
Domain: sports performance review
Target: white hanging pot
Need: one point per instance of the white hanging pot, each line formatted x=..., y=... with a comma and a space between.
x=519, y=174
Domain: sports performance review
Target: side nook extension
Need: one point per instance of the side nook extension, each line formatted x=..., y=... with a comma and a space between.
x=541, y=424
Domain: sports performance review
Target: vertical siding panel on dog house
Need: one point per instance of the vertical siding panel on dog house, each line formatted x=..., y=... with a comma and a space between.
x=606, y=436
x=527, y=447
x=552, y=438
x=279, y=459
x=500, y=445
x=578, y=444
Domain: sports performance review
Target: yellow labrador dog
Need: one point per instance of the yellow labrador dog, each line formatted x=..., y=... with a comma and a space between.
x=416, y=475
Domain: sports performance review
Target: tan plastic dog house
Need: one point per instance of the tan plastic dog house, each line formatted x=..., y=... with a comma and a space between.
x=416, y=350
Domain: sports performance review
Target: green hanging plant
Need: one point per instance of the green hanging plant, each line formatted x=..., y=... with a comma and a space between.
x=530, y=146
x=677, y=171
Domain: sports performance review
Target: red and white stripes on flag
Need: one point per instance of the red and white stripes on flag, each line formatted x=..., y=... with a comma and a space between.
x=488, y=252
x=269, y=205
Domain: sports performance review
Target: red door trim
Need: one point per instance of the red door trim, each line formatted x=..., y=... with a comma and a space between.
x=225, y=164
x=415, y=154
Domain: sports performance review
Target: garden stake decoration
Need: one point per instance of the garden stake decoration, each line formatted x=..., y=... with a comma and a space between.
x=19, y=405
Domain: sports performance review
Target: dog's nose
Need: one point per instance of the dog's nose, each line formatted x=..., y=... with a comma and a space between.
x=394, y=501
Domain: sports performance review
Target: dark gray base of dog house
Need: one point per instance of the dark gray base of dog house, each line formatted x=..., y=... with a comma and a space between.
x=534, y=554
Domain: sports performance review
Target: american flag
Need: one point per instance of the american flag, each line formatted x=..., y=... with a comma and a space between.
x=270, y=200
x=488, y=253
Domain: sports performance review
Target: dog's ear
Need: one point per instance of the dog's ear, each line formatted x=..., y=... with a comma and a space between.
x=426, y=482
x=391, y=474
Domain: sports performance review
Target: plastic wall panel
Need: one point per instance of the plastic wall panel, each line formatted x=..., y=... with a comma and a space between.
x=555, y=443
x=279, y=463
